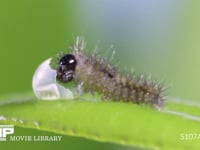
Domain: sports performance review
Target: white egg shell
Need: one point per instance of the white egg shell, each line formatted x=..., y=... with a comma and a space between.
x=45, y=86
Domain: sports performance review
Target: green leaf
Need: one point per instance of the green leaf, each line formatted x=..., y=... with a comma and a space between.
x=122, y=123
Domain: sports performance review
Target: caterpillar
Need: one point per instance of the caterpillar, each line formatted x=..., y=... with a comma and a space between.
x=96, y=75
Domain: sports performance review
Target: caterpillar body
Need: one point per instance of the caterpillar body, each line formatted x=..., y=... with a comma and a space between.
x=95, y=75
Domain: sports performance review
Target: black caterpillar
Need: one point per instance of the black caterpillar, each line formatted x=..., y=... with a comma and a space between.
x=93, y=74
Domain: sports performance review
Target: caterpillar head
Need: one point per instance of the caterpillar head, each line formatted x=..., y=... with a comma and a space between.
x=66, y=68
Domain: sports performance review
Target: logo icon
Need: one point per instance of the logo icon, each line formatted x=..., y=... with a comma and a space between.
x=5, y=130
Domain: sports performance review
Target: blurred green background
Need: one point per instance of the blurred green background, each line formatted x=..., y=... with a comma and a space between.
x=157, y=37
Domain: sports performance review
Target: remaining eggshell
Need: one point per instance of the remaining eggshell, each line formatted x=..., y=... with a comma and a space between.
x=45, y=86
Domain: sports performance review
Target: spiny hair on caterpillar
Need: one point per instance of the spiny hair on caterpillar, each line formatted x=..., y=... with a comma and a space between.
x=96, y=75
